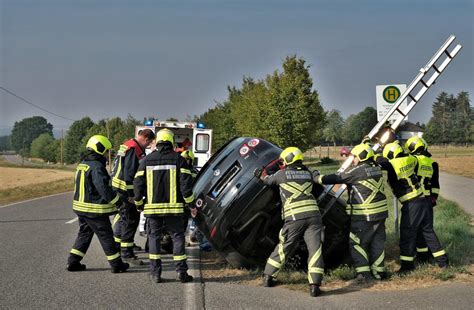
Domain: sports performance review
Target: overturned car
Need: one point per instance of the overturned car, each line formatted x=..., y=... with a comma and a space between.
x=241, y=216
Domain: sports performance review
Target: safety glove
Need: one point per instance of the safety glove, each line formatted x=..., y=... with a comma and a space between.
x=258, y=172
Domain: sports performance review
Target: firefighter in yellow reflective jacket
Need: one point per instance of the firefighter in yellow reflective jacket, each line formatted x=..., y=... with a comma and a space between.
x=94, y=201
x=428, y=174
x=163, y=186
x=401, y=171
x=125, y=167
x=367, y=207
x=301, y=219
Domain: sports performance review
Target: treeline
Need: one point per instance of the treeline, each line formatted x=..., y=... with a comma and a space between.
x=452, y=120
x=284, y=109
x=33, y=137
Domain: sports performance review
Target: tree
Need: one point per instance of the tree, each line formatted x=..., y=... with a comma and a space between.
x=5, y=144
x=295, y=116
x=46, y=148
x=282, y=108
x=359, y=125
x=73, y=141
x=220, y=120
x=26, y=130
x=451, y=120
x=333, y=130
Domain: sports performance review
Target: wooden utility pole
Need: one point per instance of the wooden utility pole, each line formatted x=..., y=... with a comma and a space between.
x=62, y=146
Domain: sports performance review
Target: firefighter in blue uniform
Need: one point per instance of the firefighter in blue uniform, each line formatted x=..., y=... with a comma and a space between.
x=94, y=201
x=428, y=174
x=367, y=207
x=163, y=187
x=401, y=171
x=125, y=167
x=302, y=219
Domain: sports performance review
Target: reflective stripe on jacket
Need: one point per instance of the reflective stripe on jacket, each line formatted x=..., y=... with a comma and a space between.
x=428, y=174
x=125, y=166
x=367, y=195
x=296, y=185
x=93, y=194
x=402, y=176
x=163, y=183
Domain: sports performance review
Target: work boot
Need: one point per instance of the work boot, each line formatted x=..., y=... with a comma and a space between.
x=404, y=270
x=362, y=278
x=156, y=278
x=314, y=290
x=120, y=267
x=184, y=277
x=383, y=275
x=75, y=267
x=133, y=261
x=423, y=258
x=267, y=280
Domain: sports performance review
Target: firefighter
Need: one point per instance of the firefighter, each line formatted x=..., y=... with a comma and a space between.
x=189, y=156
x=367, y=207
x=428, y=174
x=401, y=171
x=301, y=218
x=125, y=167
x=94, y=201
x=163, y=187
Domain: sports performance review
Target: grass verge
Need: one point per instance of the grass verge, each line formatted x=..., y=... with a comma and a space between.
x=452, y=225
x=37, y=190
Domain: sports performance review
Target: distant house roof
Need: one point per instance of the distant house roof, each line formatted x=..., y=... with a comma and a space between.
x=407, y=126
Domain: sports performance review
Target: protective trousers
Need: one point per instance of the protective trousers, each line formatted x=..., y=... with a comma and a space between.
x=416, y=219
x=423, y=254
x=155, y=227
x=290, y=234
x=88, y=226
x=367, y=244
x=128, y=224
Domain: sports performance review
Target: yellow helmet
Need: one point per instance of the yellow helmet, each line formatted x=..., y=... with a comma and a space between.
x=362, y=151
x=392, y=150
x=164, y=135
x=188, y=154
x=291, y=154
x=99, y=144
x=416, y=143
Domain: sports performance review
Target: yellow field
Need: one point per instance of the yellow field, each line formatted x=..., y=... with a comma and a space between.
x=460, y=165
x=24, y=177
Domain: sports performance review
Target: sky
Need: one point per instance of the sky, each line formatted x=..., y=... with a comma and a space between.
x=176, y=58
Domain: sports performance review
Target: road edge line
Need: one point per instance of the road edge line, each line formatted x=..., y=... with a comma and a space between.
x=193, y=291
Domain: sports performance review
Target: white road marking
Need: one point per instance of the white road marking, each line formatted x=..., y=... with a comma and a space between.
x=34, y=199
x=72, y=221
x=192, y=301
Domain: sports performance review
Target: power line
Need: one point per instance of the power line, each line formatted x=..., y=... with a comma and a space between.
x=35, y=105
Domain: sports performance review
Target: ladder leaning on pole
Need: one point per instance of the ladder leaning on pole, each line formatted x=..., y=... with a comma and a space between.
x=417, y=88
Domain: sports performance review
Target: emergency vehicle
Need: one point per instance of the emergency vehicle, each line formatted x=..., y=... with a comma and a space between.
x=187, y=136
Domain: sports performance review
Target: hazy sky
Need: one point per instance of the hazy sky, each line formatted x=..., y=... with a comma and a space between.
x=173, y=58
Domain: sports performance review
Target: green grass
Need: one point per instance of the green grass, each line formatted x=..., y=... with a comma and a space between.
x=35, y=165
x=21, y=193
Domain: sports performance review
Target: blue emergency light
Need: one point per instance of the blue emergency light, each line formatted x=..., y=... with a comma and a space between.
x=148, y=122
x=201, y=125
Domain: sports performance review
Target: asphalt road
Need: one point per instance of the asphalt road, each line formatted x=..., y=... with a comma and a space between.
x=36, y=236
x=459, y=189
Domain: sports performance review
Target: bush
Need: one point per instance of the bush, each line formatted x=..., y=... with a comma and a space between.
x=327, y=161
